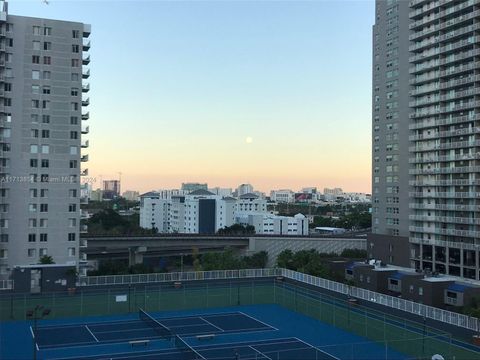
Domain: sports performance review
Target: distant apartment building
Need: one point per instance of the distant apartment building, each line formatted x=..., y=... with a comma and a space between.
x=170, y=193
x=243, y=189
x=131, y=195
x=332, y=194
x=154, y=212
x=203, y=212
x=42, y=103
x=189, y=187
x=425, y=135
x=221, y=191
x=250, y=203
x=96, y=195
x=282, y=196
x=269, y=224
x=111, y=189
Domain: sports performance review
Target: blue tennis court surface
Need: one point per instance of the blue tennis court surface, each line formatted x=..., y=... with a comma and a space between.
x=119, y=331
x=263, y=332
x=281, y=349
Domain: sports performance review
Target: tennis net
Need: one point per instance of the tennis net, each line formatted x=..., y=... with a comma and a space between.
x=160, y=329
x=188, y=353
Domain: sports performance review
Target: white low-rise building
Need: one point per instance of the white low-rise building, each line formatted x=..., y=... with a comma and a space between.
x=269, y=224
x=282, y=196
x=154, y=212
x=248, y=203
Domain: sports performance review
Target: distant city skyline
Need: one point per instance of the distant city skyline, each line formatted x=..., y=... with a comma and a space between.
x=227, y=92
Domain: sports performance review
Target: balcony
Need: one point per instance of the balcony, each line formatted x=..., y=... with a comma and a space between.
x=83, y=227
x=87, y=29
x=445, y=170
x=85, y=145
x=85, y=130
x=86, y=45
x=86, y=102
x=83, y=243
x=85, y=73
x=84, y=158
x=86, y=87
x=86, y=116
x=86, y=60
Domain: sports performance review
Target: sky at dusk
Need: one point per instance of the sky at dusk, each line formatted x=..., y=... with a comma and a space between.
x=273, y=93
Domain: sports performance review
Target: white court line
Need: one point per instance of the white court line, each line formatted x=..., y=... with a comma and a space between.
x=91, y=333
x=261, y=353
x=251, y=317
x=208, y=322
x=249, y=343
x=314, y=347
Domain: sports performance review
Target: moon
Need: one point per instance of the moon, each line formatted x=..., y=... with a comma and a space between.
x=248, y=139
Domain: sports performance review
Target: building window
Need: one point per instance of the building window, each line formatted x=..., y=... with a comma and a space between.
x=32, y=237
x=36, y=46
x=33, y=149
x=32, y=252
x=47, y=60
x=33, y=163
x=46, y=90
x=74, y=77
x=45, y=119
x=43, y=237
x=75, y=34
x=35, y=59
x=75, y=63
x=71, y=237
x=73, y=164
x=47, y=31
x=45, y=134
x=45, y=149
x=45, y=163
x=43, y=207
x=73, y=135
x=72, y=207
x=74, y=92
x=47, y=75
x=73, y=120
x=43, y=252
x=71, y=251
x=35, y=89
x=36, y=30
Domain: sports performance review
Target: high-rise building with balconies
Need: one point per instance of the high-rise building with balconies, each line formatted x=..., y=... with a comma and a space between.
x=445, y=133
x=443, y=153
x=42, y=111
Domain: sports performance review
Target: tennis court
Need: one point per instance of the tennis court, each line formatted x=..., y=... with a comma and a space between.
x=145, y=328
x=278, y=349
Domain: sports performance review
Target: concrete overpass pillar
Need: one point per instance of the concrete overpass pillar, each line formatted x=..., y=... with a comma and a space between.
x=135, y=255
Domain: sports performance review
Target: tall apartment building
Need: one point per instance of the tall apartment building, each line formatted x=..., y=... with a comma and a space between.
x=445, y=133
x=41, y=101
x=390, y=95
x=439, y=211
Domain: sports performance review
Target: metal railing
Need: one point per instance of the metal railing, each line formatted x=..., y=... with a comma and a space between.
x=177, y=276
x=426, y=311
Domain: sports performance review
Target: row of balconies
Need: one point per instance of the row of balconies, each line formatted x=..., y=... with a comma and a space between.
x=444, y=146
x=445, y=97
x=442, y=122
x=435, y=182
x=437, y=27
x=445, y=170
x=445, y=219
x=445, y=84
x=448, y=232
x=444, y=158
x=426, y=54
x=437, y=16
x=427, y=7
x=450, y=244
x=445, y=195
x=449, y=133
x=424, y=112
x=446, y=207
x=447, y=36
x=443, y=61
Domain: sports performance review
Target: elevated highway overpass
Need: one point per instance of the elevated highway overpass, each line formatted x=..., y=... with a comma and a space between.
x=136, y=247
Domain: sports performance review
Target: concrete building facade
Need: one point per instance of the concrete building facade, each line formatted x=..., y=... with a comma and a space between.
x=42, y=95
